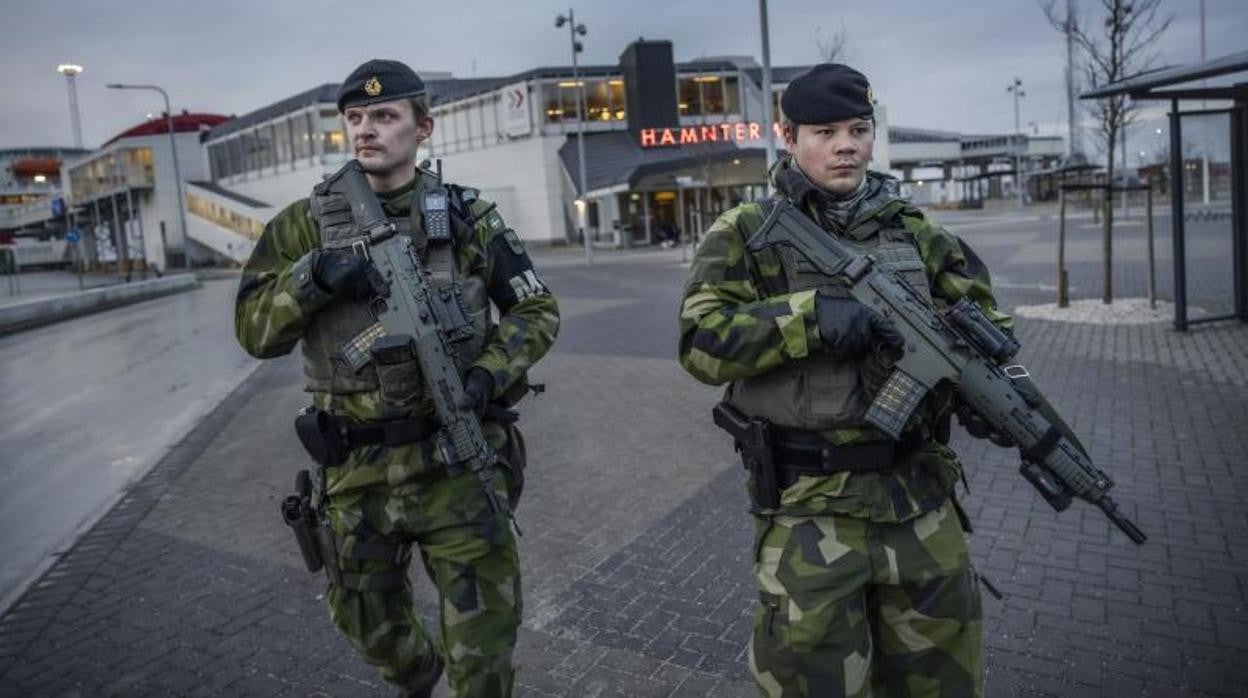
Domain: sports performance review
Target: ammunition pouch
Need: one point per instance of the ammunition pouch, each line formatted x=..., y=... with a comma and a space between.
x=329, y=438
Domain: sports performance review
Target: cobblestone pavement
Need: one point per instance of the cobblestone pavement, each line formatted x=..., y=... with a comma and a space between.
x=636, y=551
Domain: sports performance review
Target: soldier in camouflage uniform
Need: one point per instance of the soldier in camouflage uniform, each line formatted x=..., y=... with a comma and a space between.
x=864, y=582
x=303, y=282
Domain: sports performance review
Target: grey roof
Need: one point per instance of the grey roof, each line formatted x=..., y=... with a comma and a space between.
x=327, y=93
x=615, y=157
x=905, y=134
x=233, y=195
x=1232, y=63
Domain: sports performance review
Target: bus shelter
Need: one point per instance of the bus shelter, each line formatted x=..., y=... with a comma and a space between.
x=1189, y=90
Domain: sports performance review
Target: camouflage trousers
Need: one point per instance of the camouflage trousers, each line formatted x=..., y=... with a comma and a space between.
x=853, y=608
x=470, y=555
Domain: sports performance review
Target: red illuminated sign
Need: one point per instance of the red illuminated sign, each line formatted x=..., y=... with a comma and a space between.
x=730, y=132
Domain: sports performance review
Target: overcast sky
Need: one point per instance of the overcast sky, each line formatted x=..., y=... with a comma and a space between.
x=941, y=64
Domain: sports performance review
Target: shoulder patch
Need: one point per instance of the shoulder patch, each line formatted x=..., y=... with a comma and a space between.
x=513, y=241
x=494, y=221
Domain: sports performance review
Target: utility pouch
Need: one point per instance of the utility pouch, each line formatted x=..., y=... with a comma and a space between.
x=319, y=434
x=398, y=371
x=753, y=440
x=303, y=519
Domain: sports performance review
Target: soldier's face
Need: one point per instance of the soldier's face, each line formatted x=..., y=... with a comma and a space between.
x=834, y=155
x=385, y=136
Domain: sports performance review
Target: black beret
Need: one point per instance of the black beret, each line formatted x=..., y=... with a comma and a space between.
x=379, y=81
x=828, y=92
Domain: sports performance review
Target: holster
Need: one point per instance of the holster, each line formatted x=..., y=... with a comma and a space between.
x=321, y=437
x=304, y=520
x=753, y=440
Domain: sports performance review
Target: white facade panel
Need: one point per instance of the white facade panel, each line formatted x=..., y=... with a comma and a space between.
x=522, y=177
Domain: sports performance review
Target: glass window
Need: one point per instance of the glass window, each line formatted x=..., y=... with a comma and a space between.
x=248, y=145
x=217, y=160
x=301, y=137
x=732, y=95
x=332, y=138
x=264, y=146
x=597, y=100
x=281, y=138
x=618, y=100
x=687, y=101
x=554, y=107
x=489, y=115
x=710, y=93
x=235, y=145
x=569, y=99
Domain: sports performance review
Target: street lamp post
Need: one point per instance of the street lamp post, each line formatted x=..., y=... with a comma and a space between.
x=1017, y=89
x=768, y=117
x=582, y=204
x=177, y=172
x=70, y=71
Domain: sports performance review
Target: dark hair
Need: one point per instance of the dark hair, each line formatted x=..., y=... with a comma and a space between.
x=419, y=109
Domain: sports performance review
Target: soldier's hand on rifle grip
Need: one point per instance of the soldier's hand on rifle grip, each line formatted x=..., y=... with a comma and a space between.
x=348, y=275
x=848, y=329
x=478, y=388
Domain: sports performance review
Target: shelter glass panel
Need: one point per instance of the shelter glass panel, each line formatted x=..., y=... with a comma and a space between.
x=1208, y=225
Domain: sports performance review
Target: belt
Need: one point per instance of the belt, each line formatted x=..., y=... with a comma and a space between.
x=392, y=433
x=799, y=452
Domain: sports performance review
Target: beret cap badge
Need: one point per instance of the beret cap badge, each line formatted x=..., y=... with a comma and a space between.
x=372, y=88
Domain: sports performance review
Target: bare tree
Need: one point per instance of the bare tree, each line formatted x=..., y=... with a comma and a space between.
x=1117, y=47
x=832, y=49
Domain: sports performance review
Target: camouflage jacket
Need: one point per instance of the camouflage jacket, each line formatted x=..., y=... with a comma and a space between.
x=271, y=314
x=730, y=331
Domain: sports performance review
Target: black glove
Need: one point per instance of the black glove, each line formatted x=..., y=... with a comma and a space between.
x=980, y=428
x=348, y=275
x=478, y=389
x=850, y=329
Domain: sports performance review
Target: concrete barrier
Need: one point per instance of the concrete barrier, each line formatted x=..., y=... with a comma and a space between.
x=23, y=316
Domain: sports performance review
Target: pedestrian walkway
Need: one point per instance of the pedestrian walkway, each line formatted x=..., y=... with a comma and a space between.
x=37, y=285
x=636, y=554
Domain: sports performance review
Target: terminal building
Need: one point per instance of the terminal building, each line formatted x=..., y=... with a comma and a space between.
x=665, y=143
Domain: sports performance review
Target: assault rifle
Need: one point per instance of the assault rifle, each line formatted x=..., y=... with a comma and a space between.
x=961, y=346
x=420, y=320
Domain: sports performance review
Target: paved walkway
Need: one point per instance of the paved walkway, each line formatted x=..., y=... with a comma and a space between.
x=637, y=548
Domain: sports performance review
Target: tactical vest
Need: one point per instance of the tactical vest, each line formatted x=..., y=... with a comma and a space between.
x=342, y=324
x=818, y=392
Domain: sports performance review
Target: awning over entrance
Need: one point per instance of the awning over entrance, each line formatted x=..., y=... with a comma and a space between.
x=617, y=161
